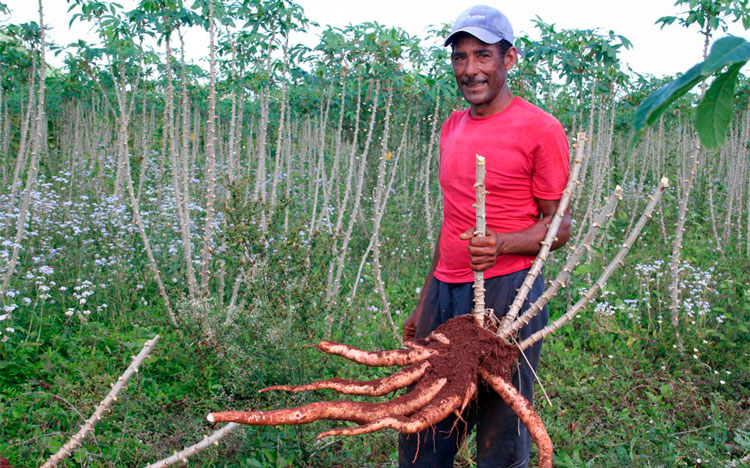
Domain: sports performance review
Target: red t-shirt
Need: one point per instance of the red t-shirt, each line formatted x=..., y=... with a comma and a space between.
x=527, y=158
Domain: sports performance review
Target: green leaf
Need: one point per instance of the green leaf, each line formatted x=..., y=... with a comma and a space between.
x=742, y=438
x=79, y=457
x=665, y=20
x=53, y=444
x=253, y=463
x=716, y=109
x=658, y=101
x=652, y=397
x=728, y=50
x=583, y=269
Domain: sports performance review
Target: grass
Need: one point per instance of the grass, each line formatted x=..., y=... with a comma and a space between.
x=84, y=302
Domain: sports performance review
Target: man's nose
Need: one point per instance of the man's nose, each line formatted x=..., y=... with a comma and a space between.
x=471, y=66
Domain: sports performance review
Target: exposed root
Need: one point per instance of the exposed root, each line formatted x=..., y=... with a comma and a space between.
x=426, y=417
x=377, y=387
x=525, y=412
x=471, y=392
x=355, y=411
x=445, y=372
x=412, y=344
x=439, y=337
x=399, y=357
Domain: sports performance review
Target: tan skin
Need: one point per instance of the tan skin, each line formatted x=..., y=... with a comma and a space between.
x=481, y=70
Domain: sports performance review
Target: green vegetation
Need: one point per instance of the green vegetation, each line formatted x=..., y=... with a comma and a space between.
x=306, y=142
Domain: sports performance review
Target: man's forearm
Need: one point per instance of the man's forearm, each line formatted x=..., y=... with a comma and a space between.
x=528, y=241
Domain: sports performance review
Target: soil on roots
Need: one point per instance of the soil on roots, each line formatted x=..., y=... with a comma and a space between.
x=467, y=348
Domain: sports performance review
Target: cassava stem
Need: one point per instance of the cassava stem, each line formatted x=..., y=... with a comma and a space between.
x=208, y=441
x=549, y=238
x=613, y=265
x=103, y=407
x=570, y=264
x=481, y=231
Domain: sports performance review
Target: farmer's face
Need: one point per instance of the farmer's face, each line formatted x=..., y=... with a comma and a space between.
x=480, y=72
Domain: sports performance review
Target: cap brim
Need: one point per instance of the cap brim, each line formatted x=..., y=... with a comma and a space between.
x=481, y=34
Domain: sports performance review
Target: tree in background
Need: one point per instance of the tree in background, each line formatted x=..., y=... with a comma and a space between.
x=710, y=16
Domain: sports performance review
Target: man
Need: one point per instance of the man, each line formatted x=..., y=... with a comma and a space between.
x=527, y=169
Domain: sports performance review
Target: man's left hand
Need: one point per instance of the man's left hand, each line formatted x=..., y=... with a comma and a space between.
x=483, y=251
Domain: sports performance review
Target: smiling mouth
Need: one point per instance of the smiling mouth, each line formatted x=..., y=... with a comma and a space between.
x=473, y=84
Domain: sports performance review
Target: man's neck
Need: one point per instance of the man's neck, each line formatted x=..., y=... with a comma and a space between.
x=502, y=101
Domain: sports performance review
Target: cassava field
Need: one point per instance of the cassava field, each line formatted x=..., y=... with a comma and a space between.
x=250, y=204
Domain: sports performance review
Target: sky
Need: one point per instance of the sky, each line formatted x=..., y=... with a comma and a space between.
x=655, y=51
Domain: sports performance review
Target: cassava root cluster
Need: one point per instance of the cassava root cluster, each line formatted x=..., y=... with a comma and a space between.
x=445, y=371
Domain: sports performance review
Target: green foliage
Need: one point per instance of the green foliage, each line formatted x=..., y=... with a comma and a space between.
x=657, y=102
x=709, y=14
x=577, y=56
x=715, y=110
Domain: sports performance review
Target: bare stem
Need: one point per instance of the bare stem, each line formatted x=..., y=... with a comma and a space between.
x=674, y=287
x=208, y=441
x=570, y=264
x=549, y=238
x=616, y=262
x=481, y=230
x=103, y=407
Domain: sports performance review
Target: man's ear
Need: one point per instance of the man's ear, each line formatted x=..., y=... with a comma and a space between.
x=511, y=57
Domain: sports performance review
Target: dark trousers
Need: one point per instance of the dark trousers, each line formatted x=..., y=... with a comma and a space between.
x=502, y=441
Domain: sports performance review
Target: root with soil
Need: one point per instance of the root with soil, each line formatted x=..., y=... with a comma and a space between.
x=445, y=371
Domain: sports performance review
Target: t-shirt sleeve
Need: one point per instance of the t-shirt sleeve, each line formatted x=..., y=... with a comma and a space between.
x=551, y=162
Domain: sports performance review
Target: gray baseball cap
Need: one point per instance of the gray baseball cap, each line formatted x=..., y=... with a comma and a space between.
x=483, y=22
